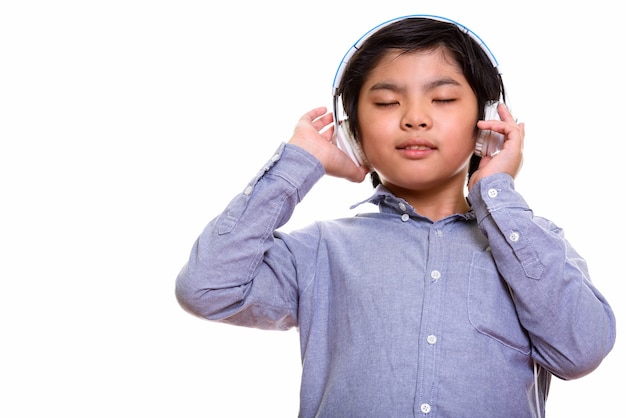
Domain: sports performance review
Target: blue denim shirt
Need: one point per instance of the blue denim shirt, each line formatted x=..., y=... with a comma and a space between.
x=399, y=316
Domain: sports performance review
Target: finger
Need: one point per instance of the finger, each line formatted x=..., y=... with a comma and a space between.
x=505, y=113
x=313, y=114
x=329, y=134
x=323, y=121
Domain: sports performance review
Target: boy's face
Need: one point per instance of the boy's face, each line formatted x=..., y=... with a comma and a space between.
x=417, y=116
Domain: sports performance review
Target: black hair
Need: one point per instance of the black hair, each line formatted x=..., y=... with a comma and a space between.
x=414, y=34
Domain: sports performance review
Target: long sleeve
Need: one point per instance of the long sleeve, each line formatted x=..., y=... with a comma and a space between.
x=570, y=324
x=238, y=270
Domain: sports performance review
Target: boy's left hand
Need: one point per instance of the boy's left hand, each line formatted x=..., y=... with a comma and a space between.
x=510, y=158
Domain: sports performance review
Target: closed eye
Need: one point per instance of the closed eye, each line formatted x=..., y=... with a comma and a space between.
x=443, y=100
x=385, y=104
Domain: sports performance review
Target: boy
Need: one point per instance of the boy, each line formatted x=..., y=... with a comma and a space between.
x=439, y=304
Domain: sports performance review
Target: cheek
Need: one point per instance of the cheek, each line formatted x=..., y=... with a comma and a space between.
x=467, y=134
x=466, y=150
x=373, y=133
x=375, y=139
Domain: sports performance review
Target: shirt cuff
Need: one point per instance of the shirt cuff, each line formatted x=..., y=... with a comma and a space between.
x=495, y=193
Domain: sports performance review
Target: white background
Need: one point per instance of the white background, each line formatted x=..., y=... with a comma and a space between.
x=125, y=126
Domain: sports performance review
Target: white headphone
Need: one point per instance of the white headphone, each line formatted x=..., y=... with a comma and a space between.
x=487, y=143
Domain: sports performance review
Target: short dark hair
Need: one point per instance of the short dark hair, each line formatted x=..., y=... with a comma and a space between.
x=415, y=34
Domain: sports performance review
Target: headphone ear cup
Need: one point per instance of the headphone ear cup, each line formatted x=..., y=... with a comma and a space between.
x=489, y=142
x=347, y=143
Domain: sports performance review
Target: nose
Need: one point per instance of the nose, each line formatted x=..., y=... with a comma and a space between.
x=416, y=116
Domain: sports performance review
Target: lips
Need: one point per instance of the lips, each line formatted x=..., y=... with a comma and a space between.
x=416, y=147
x=416, y=144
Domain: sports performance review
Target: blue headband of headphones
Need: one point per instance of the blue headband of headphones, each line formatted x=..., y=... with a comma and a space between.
x=359, y=42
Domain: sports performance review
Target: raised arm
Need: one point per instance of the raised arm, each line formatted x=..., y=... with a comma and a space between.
x=570, y=323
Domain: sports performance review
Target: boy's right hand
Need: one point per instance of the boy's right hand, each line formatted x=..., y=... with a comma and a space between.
x=314, y=133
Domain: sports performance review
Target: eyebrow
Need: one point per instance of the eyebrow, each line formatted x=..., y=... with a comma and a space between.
x=427, y=87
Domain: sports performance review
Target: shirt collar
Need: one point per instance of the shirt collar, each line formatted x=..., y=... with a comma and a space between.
x=387, y=202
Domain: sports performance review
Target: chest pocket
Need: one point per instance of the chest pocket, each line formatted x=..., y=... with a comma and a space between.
x=490, y=305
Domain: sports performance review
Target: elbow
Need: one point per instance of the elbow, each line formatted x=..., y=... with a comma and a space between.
x=187, y=295
x=584, y=357
x=573, y=371
x=196, y=297
x=570, y=370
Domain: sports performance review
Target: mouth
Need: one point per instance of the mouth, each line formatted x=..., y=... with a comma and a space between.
x=416, y=144
x=415, y=147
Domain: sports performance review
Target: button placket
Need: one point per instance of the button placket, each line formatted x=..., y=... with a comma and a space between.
x=429, y=346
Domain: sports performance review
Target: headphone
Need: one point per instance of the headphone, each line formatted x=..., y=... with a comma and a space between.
x=487, y=142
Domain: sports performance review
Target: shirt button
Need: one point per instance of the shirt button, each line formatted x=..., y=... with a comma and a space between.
x=435, y=274
x=275, y=157
x=248, y=190
x=402, y=206
x=425, y=408
x=439, y=233
x=492, y=193
x=514, y=236
x=405, y=217
x=431, y=339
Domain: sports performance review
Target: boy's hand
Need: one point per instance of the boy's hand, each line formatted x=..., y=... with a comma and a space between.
x=314, y=133
x=510, y=158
